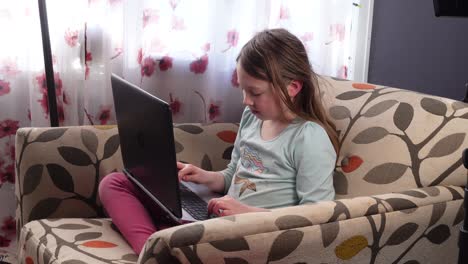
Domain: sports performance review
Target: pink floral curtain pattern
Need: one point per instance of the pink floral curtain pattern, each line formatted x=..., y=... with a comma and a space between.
x=183, y=51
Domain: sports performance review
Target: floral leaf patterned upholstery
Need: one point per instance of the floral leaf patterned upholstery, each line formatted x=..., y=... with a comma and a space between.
x=400, y=225
x=71, y=240
x=59, y=170
x=393, y=139
x=399, y=184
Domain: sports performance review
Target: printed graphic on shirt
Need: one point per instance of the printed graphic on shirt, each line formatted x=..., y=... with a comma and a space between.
x=246, y=184
x=251, y=160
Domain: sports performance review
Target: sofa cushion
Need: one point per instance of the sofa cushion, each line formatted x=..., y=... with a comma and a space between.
x=415, y=226
x=394, y=139
x=59, y=169
x=208, y=146
x=72, y=240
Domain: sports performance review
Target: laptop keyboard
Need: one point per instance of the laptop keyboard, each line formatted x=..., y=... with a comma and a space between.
x=193, y=204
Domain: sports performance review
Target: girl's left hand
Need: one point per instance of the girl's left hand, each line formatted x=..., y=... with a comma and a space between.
x=227, y=205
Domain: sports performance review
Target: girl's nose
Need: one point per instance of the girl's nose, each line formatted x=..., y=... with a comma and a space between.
x=247, y=101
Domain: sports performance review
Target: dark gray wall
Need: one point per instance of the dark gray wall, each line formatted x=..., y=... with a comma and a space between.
x=413, y=49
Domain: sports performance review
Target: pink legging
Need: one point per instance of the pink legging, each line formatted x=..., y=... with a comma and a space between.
x=124, y=203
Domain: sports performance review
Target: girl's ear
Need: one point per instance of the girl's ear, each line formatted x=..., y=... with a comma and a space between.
x=294, y=88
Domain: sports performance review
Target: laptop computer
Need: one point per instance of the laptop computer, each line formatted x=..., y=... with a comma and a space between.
x=148, y=151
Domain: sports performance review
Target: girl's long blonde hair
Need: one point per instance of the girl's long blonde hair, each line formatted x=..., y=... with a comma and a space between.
x=279, y=57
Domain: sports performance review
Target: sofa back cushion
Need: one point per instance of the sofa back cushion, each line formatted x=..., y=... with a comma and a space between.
x=208, y=146
x=394, y=139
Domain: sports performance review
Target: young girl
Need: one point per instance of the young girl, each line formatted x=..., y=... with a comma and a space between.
x=285, y=149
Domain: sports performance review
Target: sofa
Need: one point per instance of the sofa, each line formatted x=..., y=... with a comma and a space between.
x=399, y=190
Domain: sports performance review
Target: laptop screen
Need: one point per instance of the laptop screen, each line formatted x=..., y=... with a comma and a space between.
x=147, y=142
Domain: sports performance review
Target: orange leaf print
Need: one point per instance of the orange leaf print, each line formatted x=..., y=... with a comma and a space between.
x=98, y=244
x=353, y=163
x=363, y=86
x=227, y=136
x=29, y=260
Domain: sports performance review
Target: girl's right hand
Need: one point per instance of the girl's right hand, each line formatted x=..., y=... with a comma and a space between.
x=214, y=180
x=191, y=173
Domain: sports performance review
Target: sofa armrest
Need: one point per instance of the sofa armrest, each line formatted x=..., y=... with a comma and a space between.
x=383, y=227
x=58, y=170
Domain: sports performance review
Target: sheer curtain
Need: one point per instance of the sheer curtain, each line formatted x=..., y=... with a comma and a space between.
x=183, y=51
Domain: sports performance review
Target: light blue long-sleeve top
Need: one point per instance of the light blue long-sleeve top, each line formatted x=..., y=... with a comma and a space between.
x=294, y=168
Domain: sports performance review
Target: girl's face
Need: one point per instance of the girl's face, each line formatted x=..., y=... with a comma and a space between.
x=259, y=97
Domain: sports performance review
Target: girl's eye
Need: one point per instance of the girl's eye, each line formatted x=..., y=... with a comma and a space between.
x=257, y=94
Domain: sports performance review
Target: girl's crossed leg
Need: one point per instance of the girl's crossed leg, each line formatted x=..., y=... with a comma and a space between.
x=124, y=203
